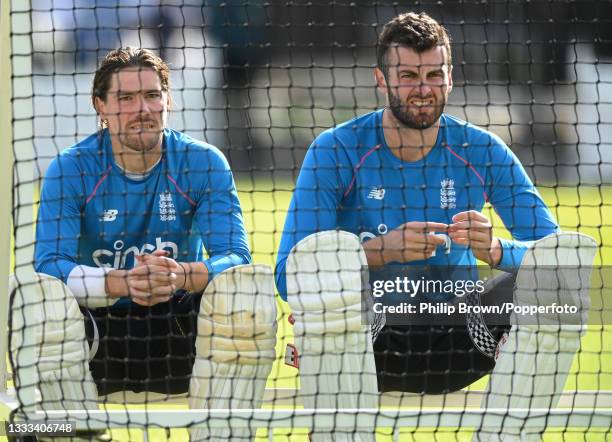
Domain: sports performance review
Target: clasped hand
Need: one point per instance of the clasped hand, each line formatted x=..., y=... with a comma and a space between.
x=418, y=240
x=155, y=278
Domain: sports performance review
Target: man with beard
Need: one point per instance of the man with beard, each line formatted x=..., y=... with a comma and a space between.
x=397, y=176
x=125, y=218
x=410, y=182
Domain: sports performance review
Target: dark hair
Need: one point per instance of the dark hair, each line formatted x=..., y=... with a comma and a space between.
x=417, y=31
x=127, y=57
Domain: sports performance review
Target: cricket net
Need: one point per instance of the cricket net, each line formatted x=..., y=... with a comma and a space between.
x=261, y=80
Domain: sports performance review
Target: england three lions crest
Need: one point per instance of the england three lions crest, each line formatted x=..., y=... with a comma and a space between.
x=167, y=211
x=448, y=196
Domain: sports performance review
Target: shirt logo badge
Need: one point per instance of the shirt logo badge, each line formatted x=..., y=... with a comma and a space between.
x=167, y=211
x=448, y=196
x=109, y=215
x=377, y=193
x=292, y=358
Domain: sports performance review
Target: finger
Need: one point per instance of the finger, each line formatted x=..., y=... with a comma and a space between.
x=153, y=255
x=483, y=235
x=470, y=224
x=461, y=241
x=139, y=261
x=141, y=301
x=459, y=234
x=469, y=215
x=164, y=290
x=150, y=301
x=461, y=216
x=422, y=249
x=156, y=278
x=473, y=244
x=158, y=261
x=160, y=252
x=425, y=226
x=148, y=269
x=138, y=293
x=141, y=287
x=412, y=238
x=150, y=286
x=164, y=277
x=153, y=280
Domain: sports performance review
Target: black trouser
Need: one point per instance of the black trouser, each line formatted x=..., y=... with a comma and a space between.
x=437, y=359
x=145, y=348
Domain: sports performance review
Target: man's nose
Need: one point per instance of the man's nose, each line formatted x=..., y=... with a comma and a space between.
x=143, y=104
x=424, y=88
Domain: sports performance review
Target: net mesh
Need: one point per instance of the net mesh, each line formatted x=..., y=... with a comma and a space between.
x=260, y=81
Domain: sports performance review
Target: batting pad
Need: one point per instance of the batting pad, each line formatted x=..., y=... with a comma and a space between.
x=336, y=360
x=235, y=346
x=533, y=365
x=48, y=347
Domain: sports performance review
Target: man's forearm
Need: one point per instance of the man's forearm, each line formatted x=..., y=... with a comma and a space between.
x=512, y=252
x=495, y=252
x=375, y=252
x=89, y=286
x=195, y=276
x=117, y=283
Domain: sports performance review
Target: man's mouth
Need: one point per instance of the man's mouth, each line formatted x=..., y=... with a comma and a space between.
x=419, y=102
x=142, y=125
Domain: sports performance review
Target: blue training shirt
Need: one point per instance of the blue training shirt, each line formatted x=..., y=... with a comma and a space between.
x=92, y=214
x=350, y=180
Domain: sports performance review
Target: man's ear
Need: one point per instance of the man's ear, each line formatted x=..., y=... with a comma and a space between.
x=450, y=78
x=381, y=81
x=99, y=105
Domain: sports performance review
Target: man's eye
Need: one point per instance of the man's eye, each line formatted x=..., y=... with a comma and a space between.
x=125, y=97
x=154, y=95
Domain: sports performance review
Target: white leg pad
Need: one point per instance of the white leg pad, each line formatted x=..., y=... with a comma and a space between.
x=49, y=349
x=532, y=367
x=336, y=359
x=235, y=347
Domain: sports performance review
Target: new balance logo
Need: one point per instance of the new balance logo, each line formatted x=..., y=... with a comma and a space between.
x=377, y=193
x=109, y=215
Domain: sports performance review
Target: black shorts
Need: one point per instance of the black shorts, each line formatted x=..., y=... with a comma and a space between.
x=145, y=349
x=438, y=359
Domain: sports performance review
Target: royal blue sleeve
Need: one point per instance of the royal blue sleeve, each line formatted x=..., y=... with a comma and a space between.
x=58, y=224
x=219, y=216
x=518, y=203
x=317, y=194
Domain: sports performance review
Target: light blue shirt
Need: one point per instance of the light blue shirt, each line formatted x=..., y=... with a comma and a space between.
x=351, y=181
x=92, y=214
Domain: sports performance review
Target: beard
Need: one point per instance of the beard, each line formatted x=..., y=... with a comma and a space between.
x=142, y=141
x=410, y=120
